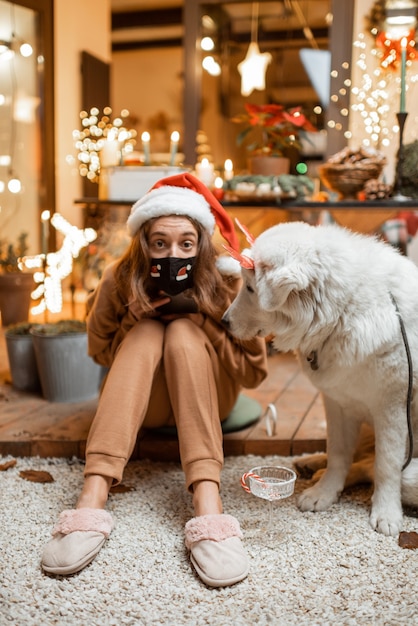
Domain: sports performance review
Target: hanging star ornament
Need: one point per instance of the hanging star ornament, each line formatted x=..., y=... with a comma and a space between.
x=253, y=69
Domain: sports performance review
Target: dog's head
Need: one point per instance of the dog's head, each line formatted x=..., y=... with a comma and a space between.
x=279, y=293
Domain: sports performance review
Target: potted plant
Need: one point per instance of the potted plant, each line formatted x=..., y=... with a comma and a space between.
x=273, y=131
x=16, y=285
x=21, y=355
x=66, y=371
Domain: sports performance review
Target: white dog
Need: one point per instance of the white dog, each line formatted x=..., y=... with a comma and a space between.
x=348, y=305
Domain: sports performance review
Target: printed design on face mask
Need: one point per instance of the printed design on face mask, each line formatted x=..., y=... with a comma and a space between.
x=182, y=274
x=155, y=271
x=172, y=275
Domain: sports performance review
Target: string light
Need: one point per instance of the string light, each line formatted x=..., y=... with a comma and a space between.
x=211, y=66
x=14, y=185
x=92, y=139
x=10, y=47
x=370, y=99
x=207, y=44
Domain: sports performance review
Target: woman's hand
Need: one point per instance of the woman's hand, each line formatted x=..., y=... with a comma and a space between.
x=138, y=313
x=163, y=299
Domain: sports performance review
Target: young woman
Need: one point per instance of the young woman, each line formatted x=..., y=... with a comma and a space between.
x=155, y=321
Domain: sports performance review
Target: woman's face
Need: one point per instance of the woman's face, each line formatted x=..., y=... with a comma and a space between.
x=173, y=236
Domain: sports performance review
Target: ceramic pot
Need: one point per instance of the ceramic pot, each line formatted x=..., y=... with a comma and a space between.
x=268, y=165
x=15, y=291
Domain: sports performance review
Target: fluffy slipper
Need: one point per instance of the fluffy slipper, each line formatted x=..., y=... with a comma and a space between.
x=77, y=538
x=216, y=551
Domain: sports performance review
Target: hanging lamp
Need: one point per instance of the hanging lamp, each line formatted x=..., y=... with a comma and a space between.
x=253, y=67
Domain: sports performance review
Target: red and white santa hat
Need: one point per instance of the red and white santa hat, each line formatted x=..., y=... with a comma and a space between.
x=183, y=194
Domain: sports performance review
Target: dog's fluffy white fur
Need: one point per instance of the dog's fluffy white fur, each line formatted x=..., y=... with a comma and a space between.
x=329, y=294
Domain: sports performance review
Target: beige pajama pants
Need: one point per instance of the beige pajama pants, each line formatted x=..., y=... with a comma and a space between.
x=163, y=374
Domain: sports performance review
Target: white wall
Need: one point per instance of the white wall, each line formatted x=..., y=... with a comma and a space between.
x=149, y=83
x=78, y=25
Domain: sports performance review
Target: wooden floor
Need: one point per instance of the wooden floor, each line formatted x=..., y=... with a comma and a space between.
x=32, y=426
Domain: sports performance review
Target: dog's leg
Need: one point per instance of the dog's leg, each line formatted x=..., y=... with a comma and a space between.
x=386, y=513
x=410, y=485
x=342, y=432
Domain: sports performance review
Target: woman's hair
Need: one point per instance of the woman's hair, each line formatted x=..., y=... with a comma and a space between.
x=133, y=272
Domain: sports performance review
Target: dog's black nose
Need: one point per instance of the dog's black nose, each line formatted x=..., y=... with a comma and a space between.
x=225, y=321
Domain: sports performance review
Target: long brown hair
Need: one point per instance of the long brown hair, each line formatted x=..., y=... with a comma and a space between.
x=132, y=273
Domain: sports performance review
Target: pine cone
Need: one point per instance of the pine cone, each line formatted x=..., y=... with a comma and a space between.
x=376, y=190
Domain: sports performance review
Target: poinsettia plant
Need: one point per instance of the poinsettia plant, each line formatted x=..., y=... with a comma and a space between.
x=274, y=128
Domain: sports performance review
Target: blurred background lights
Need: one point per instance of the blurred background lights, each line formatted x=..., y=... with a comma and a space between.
x=207, y=44
x=211, y=66
x=26, y=50
x=14, y=185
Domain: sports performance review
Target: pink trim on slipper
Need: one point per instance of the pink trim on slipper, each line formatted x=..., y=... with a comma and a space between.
x=84, y=519
x=213, y=527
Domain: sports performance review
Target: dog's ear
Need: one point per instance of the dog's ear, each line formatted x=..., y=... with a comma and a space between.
x=274, y=285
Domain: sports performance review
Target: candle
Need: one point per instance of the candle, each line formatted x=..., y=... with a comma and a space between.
x=205, y=172
x=228, y=169
x=404, y=43
x=110, y=152
x=218, y=191
x=175, y=136
x=145, y=137
x=45, y=215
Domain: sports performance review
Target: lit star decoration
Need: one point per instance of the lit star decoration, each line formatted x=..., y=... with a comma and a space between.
x=59, y=264
x=253, y=69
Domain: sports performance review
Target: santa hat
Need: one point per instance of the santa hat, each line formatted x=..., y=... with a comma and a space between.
x=186, y=195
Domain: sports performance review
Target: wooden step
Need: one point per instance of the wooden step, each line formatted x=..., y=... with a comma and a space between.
x=32, y=426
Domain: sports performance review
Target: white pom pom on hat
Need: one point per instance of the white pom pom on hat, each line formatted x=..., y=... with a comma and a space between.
x=183, y=194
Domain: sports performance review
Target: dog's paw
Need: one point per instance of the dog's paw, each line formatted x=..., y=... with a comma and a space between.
x=388, y=524
x=315, y=499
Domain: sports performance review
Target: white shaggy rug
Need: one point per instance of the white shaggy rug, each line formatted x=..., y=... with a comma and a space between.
x=332, y=567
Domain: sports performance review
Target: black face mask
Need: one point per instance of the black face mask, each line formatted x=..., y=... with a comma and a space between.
x=172, y=275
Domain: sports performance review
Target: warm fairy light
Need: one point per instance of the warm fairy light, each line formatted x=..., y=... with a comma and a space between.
x=14, y=185
x=211, y=66
x=92, y=138
x=207, y=44
x=370, y=100
x=26, y=50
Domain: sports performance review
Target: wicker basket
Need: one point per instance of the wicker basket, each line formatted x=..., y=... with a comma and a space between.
x=347, y=179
